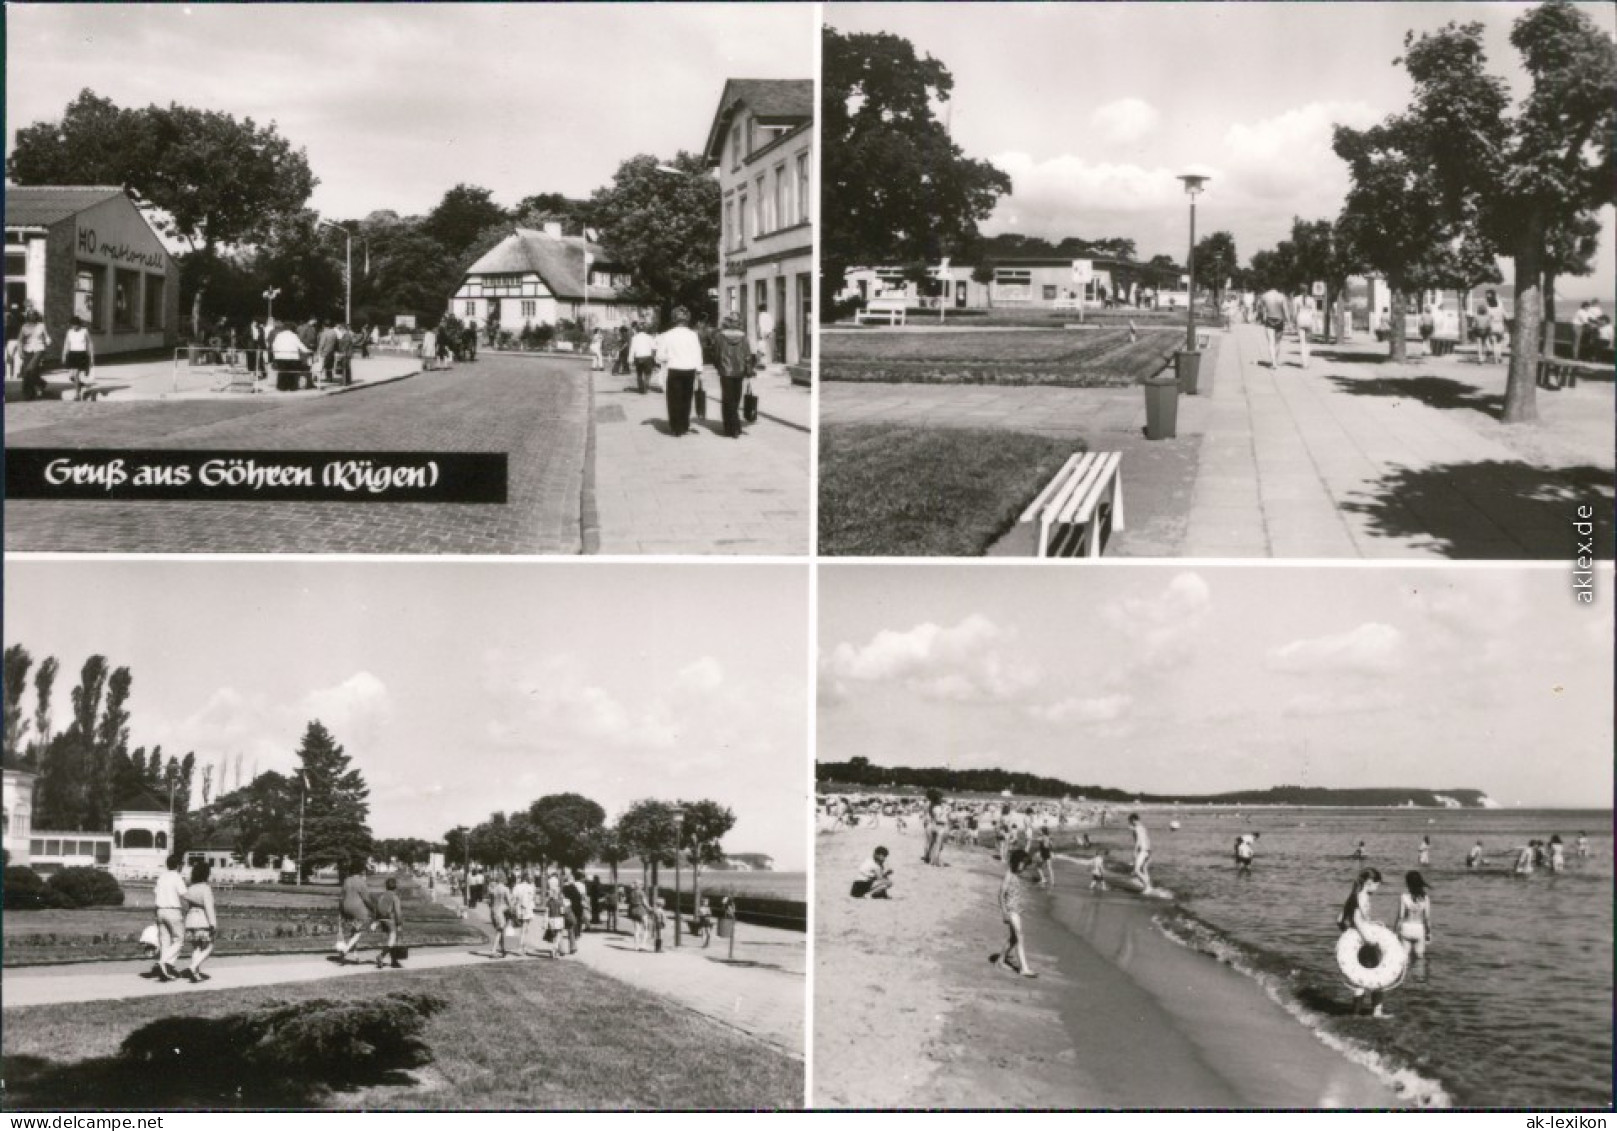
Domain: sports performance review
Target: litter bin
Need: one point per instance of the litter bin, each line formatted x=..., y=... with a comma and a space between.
x=1188, y=364
x=1161, y=406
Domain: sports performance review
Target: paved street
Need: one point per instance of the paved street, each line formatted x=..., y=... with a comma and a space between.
x=1350, y=458
x=702, y=493
x=536, y=410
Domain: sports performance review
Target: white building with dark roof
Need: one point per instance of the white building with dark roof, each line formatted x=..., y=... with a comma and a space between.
x=539, y=278
x=86, y=250
x=761, y=143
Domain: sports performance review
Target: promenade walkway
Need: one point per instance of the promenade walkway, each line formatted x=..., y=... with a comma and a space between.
x=703, y=493
x=1352, y=457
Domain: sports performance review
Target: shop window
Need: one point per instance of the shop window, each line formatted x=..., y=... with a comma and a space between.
x=126, y=300
x=87, y=294
x=156, y=309
x=103, y=852
x=160, y=841
x=53, y=848
x=137, y=838
x=36, y=848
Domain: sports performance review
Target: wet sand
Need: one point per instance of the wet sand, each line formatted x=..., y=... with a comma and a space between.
x=909, y=1013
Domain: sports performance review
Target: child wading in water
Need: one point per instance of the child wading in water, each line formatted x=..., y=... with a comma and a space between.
x=1097, y=871
x=1010, y=910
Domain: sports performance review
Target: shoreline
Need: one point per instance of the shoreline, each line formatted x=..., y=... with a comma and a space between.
x=908, y=1013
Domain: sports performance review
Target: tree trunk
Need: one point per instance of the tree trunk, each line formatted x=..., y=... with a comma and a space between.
x=1547, y=338
x=1396, y=328
x=1521, y=407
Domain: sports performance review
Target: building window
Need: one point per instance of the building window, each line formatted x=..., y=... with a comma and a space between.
x=103, y=852
x=741, y=222
x=783, y=212
x=759, y=224
x=87, y=295
x=53, y=848
x=36, y=848
x=125, y=300
x=1013, y=284
x=730, y=306
x=156, y=308
x=1049, y=293
x=529, y=308
x=16, y=278
x=160, y=840
x=471, y=309
x=137, y=838
x=803, y=194
x=729, y=233
x=735, y=146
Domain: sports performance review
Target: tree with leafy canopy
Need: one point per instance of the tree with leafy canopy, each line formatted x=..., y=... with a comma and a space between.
x=464, y=211
x=109, y=746
x=648, y=831
x=568, y=824
x=63, y=798
x=17, y=663
x=411, y=272
x=408, y=850
x=664, y=228
x=896, y=187
x=1216, y=262
x=703, y=826
x=336, y=826
x=609, y=849
x=1530, y=180
x=44, y=689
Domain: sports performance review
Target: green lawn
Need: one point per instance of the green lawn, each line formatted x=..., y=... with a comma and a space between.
x=889, y=490
x=1080, y=358
x=520, y=1036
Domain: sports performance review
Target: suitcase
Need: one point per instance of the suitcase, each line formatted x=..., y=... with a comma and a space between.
x=749, y=408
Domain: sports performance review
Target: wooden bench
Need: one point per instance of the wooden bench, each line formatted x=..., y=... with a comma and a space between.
x=1067, y=304
x=889, y=310
x=1078, y=509
x=1563, y=373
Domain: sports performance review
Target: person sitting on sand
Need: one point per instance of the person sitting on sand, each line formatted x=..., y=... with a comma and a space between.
x=1473, y=859
x=1010, y=910
x=1097, y=871
x=1414, y=923
x=1142, y=852
x=874, y=880
x=1356, y=916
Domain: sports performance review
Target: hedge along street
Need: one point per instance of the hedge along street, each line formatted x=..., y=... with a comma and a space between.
x=534, y=410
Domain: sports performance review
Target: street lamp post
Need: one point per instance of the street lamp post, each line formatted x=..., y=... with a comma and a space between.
x=347, y=273
x=303, y=801
x=1194, y=183
x=679, y=849
x=269, y=297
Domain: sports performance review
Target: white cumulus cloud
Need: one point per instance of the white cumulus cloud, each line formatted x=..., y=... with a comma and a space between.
x=1074, y=709
x=1162, y=626
x=1372, y=648
x=966, y=662
x=1126, y=120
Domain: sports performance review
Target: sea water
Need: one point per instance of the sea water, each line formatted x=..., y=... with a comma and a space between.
x=1513, y=1004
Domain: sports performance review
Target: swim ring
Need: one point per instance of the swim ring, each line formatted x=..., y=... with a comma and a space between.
x=1374, y=959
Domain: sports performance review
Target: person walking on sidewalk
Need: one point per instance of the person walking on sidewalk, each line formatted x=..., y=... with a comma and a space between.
x=390, y=915
x=680, y=350
x=734, y=360
x=168, y=897
x=78, y=354
x=643, y=356
x=766, y=338
x=1273, y=312
x=201, y=921
x=354, y=909
x=1304, y=314
x=32, y=342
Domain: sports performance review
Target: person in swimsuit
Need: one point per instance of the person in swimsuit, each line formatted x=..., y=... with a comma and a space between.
x=1557, y=854
x=1583, y=845
x=1010, y=912
x=1414, y=923
x=499, y=911
x=1097, y=871
x=1356, y=916
x=1245, y=849
x=1358, y=851
x=1142, y=852
x=1473, y=859
x=1274, y=313
x=1045, y=851
x=1425, y=853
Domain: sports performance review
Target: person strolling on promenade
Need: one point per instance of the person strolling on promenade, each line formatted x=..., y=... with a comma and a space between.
x=1305, y=314
x=355, y=912
x=390, y=915
x=874, y=879
x=524, y=900
x=499, y=912
x=1010, y=911
x=325, y=352
x=639, y=915
x=287, y=352
x=597, y=351
x=643, y=356
x=1273, y=313
x=78, y=354
x=168, y=897
x=734, y=360
x=32, y=342
x=1142, y=852
x=680, y=351
x=201, y=921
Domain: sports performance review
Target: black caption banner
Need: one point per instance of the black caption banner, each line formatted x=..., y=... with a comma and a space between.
x=238, y=476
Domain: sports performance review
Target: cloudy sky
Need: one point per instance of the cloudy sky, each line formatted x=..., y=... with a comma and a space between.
x=1093, y=108
x=396, y=103
x=459, y=688
x=1220, y=678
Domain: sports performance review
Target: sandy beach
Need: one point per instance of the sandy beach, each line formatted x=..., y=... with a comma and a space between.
x=909, y=1013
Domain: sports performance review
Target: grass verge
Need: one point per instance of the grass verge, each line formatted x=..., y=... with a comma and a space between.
x=528, y=1035
x=890, y=490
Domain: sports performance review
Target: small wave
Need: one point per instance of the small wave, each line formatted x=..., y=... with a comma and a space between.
x=1408, y=1084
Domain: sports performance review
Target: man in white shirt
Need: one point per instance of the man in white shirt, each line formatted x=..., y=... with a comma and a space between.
x=874, y=880
x=681, y=352
x=287, y=351
x=169, y=898
x=643, y=356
